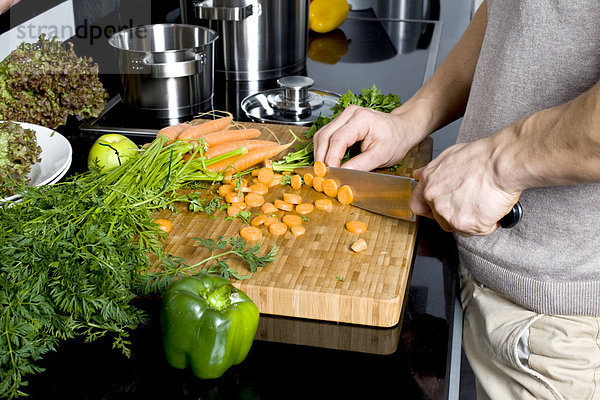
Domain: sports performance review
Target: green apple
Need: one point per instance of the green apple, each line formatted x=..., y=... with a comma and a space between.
x=111, y=150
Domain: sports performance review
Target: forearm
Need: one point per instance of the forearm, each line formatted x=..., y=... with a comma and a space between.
x=443, y=98
x=555, y=146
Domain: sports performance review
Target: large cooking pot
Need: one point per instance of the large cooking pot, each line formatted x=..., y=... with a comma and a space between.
x=260, y=39
x=166, y=67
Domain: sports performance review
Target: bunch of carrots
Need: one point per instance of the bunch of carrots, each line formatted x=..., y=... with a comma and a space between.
x=222, y=147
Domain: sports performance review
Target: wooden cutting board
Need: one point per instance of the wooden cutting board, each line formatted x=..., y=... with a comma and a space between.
x=317, y=275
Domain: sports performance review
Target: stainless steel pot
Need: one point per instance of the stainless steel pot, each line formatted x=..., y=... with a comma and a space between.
x=259, y=39
x=166, y=67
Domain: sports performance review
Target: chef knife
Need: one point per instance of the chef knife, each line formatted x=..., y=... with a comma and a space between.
x=389, y=194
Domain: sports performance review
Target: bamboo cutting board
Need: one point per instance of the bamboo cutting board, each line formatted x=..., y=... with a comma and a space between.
x=317, y=275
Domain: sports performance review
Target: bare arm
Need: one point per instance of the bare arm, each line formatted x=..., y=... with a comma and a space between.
x=386, y=138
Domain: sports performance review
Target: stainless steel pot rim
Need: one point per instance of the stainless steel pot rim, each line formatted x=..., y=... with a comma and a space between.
x=213, y=38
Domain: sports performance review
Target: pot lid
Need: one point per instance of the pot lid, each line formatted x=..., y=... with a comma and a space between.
x=292, y=103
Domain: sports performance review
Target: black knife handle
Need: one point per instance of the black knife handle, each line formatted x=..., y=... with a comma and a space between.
x=513, y=217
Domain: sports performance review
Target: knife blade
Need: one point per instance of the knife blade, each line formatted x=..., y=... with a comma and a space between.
x=388, y=195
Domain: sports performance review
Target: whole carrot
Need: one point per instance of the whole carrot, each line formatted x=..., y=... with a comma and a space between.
x=214, y=125
x=172, y=132
x=250, y=144
x=233, y=135
x=248, y=160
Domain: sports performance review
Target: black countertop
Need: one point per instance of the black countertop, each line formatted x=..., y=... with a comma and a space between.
x=295, y=358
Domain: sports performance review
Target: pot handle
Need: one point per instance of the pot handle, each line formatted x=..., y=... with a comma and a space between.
x=207, y=10
x=174, y=69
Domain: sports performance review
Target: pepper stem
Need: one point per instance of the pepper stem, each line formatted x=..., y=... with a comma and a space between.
x=220, y=297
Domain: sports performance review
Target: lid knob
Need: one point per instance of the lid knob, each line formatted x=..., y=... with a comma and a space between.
x=296, y=99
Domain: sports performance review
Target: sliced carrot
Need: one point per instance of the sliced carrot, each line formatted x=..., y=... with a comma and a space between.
x=308, y=179
x=323, y=204
x=298, y=230
x=278, y=228
x=172, y=132
x=318, y=183
x=269, y=208
x=292, y=198
x=330, y=187
x=224, y=189
x=259, y=188
x=291, y=220
x=345, y=195
x=214, y=125
x=251, y=233
x=164, y=225
x=356, y=226
x=227, y=178
x=265, y=176
x=234, y=197
x=251, y=144
x=277, y=178
x=241, y=204
x=255, y=172
x=258, y=220
x=304, y=208
x=283, y=205
x=233, y=211
x=320, y=169
x=270, y=220
x=254, y=199
x=248, y=160
x=296, y=182
x=359, y=245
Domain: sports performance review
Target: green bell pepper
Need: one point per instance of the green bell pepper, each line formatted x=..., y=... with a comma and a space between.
x=207, y=324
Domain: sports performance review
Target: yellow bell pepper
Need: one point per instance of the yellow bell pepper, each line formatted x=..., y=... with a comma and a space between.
x=327, y=15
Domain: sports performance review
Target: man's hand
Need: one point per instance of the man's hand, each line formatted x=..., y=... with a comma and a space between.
x=385, y=138
x=6, y=4
x=460, y=190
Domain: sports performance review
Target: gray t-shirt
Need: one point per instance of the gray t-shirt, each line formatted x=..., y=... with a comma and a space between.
x=538, y=54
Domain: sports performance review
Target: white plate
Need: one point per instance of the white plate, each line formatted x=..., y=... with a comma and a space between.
x=56, y=156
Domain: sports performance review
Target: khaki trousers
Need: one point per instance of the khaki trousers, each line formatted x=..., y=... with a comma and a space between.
x=519, y=354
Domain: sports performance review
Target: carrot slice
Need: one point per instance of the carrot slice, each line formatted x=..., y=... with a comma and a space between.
x=259, y=188
x=304, y=208
x=320, y=169
x=277, y=178
x=270, y=220
x=283, y=205
x=323, y=204
x=298, y=230
x=278, y=228
x=359, y=245
x=356, y=226
x=251, y=233
x=308, y=179
x=292, y=198
x=269, y=208
x=254, y=199
x=345, y=195
x=291, y=220
x=318, y=183
x=296, y=182
x=265, y=176
x=241, y=204
x=164, y=225
x=214, y=125
x=258, y=220
x=224, y=189
x=234, y=197
x=233, y=211
x=330, y=187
